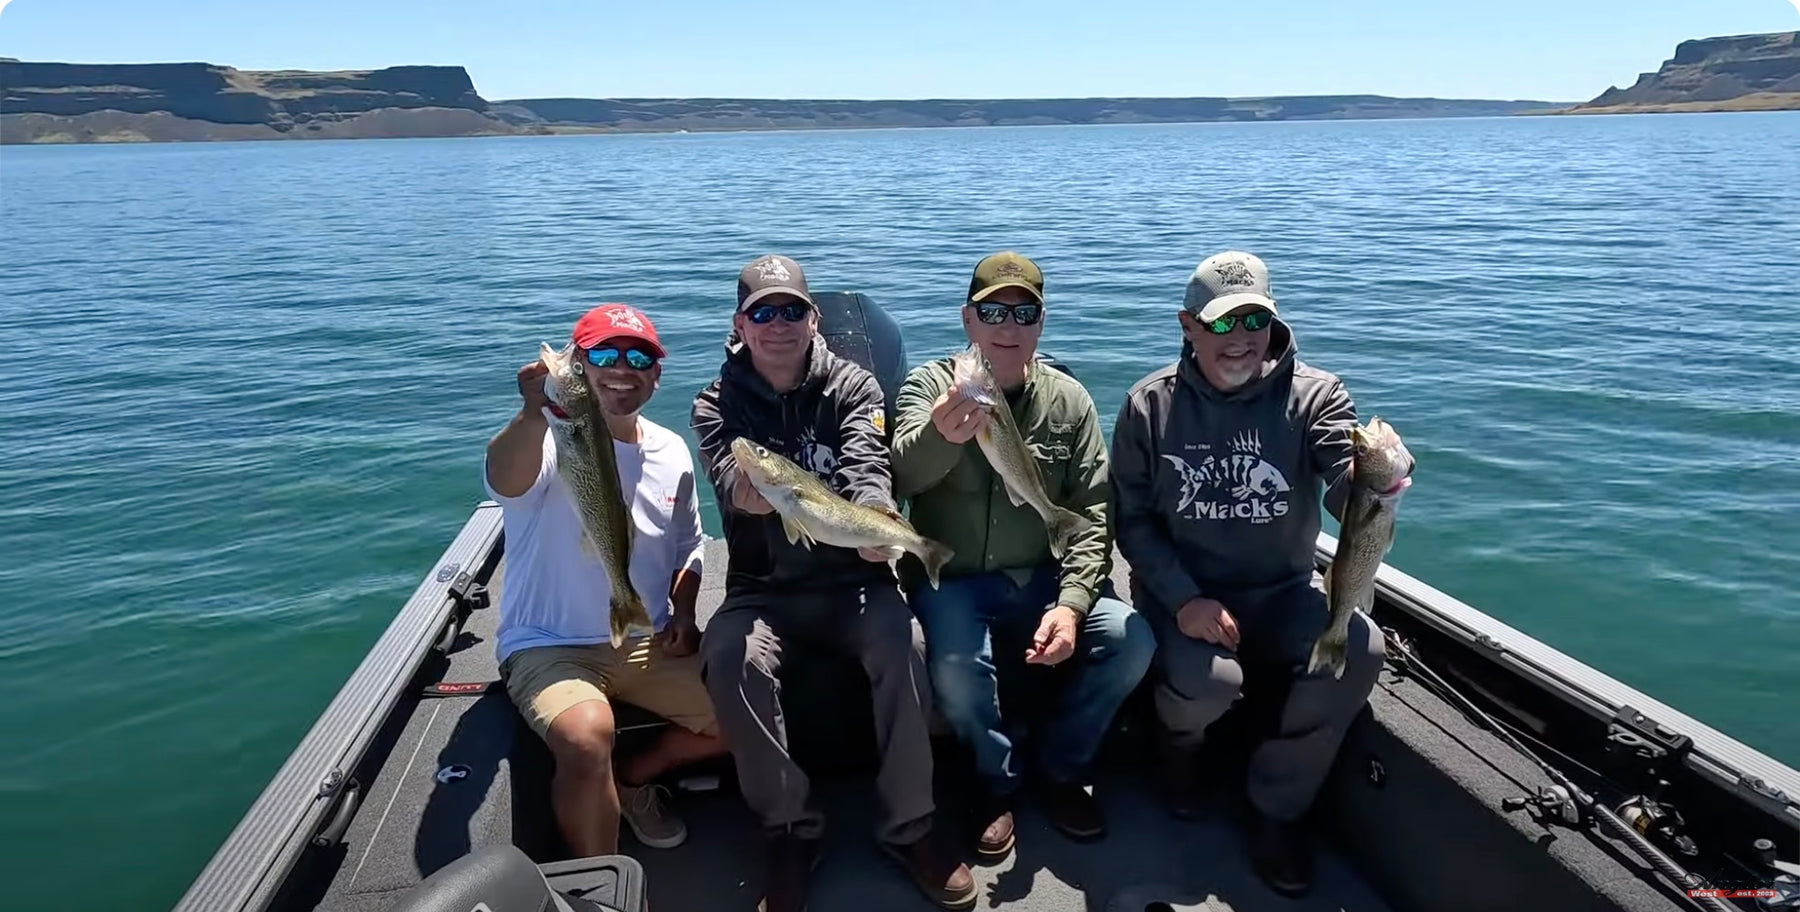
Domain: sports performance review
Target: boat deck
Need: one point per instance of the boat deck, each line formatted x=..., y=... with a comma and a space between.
x=411, y=824
x=1411, y=819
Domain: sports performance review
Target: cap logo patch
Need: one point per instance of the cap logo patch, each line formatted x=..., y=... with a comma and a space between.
x=625, y=319
x=1009, y=270
x=771, y=270
x=1234, y=273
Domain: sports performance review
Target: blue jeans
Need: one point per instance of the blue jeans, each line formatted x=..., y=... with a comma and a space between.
x=971, y=620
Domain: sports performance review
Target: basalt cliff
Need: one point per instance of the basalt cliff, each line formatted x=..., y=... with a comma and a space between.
x=1735, y=73
x=71, y=102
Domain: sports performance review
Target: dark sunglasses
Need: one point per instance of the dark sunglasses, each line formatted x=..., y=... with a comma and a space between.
x=635, y=358
x=793, y=312
x=1253, y=321
x=994, y=314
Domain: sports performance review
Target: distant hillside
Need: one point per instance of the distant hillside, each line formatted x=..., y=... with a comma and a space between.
x=186, y=102
x=1735, y=73
x=633, y=114
x=64, y=102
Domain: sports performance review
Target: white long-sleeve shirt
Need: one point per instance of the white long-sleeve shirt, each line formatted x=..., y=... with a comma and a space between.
x=555, y=594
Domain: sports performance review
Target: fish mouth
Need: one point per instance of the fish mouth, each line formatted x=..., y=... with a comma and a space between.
x=1399, y=486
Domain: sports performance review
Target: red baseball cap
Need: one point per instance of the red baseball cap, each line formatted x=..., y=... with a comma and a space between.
x=615, y=321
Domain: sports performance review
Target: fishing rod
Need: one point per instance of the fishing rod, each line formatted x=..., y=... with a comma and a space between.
x=1569, y=791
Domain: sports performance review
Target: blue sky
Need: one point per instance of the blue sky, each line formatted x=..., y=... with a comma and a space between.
x=1555, y=50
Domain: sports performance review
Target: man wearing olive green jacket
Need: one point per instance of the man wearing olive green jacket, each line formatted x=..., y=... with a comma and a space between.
x=1005, y=601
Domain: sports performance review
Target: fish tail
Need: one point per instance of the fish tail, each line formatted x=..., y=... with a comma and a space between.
x=628, y=615
x=1065, y=525
x=934, y=555
x=1329, y=653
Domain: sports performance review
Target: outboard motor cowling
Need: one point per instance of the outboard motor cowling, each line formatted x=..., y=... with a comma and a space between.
x=503, y=879
x=858, y=329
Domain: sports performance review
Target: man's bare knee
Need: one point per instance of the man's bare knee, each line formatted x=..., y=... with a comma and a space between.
x=581, y=737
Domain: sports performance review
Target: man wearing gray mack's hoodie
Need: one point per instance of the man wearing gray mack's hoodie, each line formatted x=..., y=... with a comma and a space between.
x=1218, y=464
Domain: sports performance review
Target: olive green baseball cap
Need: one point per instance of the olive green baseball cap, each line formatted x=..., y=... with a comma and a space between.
x=1005, y=269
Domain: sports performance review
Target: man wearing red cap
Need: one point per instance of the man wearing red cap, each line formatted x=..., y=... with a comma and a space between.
x=553, y=644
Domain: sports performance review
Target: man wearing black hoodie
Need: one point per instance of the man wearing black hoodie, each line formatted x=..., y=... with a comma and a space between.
x=781, y=387
x=1218, y=465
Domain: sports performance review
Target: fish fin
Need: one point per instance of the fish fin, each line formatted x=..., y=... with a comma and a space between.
x=1328, y=654
x=934, y=555
x=796, y=534
x=1325, y=582
x=1018, y=500
x=1064, y=526
x=890, y=512
x=588, y=545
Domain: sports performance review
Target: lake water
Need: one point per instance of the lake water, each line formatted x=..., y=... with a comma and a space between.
x=245, y=388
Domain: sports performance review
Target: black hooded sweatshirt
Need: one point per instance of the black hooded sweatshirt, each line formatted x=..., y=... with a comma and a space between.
x=833, y=425
x=1217, y=494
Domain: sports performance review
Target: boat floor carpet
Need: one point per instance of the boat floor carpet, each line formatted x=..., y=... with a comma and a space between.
x=464, y=772
x=454, y=773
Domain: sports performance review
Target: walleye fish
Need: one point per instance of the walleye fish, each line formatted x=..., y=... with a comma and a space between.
x=812, y=512
x=1006, y=450
x=588, y=465
x=1383, y=472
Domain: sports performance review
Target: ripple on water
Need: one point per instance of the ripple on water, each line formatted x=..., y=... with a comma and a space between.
x=249, y=384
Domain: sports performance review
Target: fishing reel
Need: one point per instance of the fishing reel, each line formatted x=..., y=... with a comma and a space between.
x=1657, y=821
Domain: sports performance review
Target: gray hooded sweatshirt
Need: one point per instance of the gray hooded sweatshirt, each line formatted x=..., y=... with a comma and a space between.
x=1217, y=494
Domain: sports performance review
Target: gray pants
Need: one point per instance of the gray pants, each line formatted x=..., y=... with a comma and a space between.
x=1200, y=681
x=742, y=654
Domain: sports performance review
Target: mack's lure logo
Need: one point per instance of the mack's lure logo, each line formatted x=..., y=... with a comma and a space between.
x=1257, y=489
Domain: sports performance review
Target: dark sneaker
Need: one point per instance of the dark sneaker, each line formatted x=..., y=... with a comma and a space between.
x=942, y=878
x=1181, y=779
x=791, y=863
x=1072, y=810
x=1282, y=855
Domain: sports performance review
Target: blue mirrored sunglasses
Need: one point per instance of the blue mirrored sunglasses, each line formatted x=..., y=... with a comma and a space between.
x=793, y=312
x=635, y=358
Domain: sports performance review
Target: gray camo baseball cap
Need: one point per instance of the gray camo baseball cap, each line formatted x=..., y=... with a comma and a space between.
x=1226, y=281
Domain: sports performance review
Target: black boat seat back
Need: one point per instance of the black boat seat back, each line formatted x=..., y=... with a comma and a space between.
x=502, y=878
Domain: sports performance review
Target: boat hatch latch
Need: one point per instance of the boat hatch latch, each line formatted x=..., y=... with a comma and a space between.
x=466, y=595
x=1644, y=744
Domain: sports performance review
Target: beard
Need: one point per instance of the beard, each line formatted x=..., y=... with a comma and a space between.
x=1236, y=375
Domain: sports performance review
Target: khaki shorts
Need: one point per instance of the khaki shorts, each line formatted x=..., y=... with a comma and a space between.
x=545, y=680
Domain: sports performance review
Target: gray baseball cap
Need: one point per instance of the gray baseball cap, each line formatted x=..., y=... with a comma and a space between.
x=1225, y=282
x=767, y=275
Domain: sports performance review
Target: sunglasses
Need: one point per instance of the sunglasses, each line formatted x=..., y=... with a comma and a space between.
x=994, y=314
x=635, y=358
x=1253, y=321
x=793, y=312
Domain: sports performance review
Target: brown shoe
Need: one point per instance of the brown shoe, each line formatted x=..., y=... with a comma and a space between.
x=942, y=878
x=997, y=838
